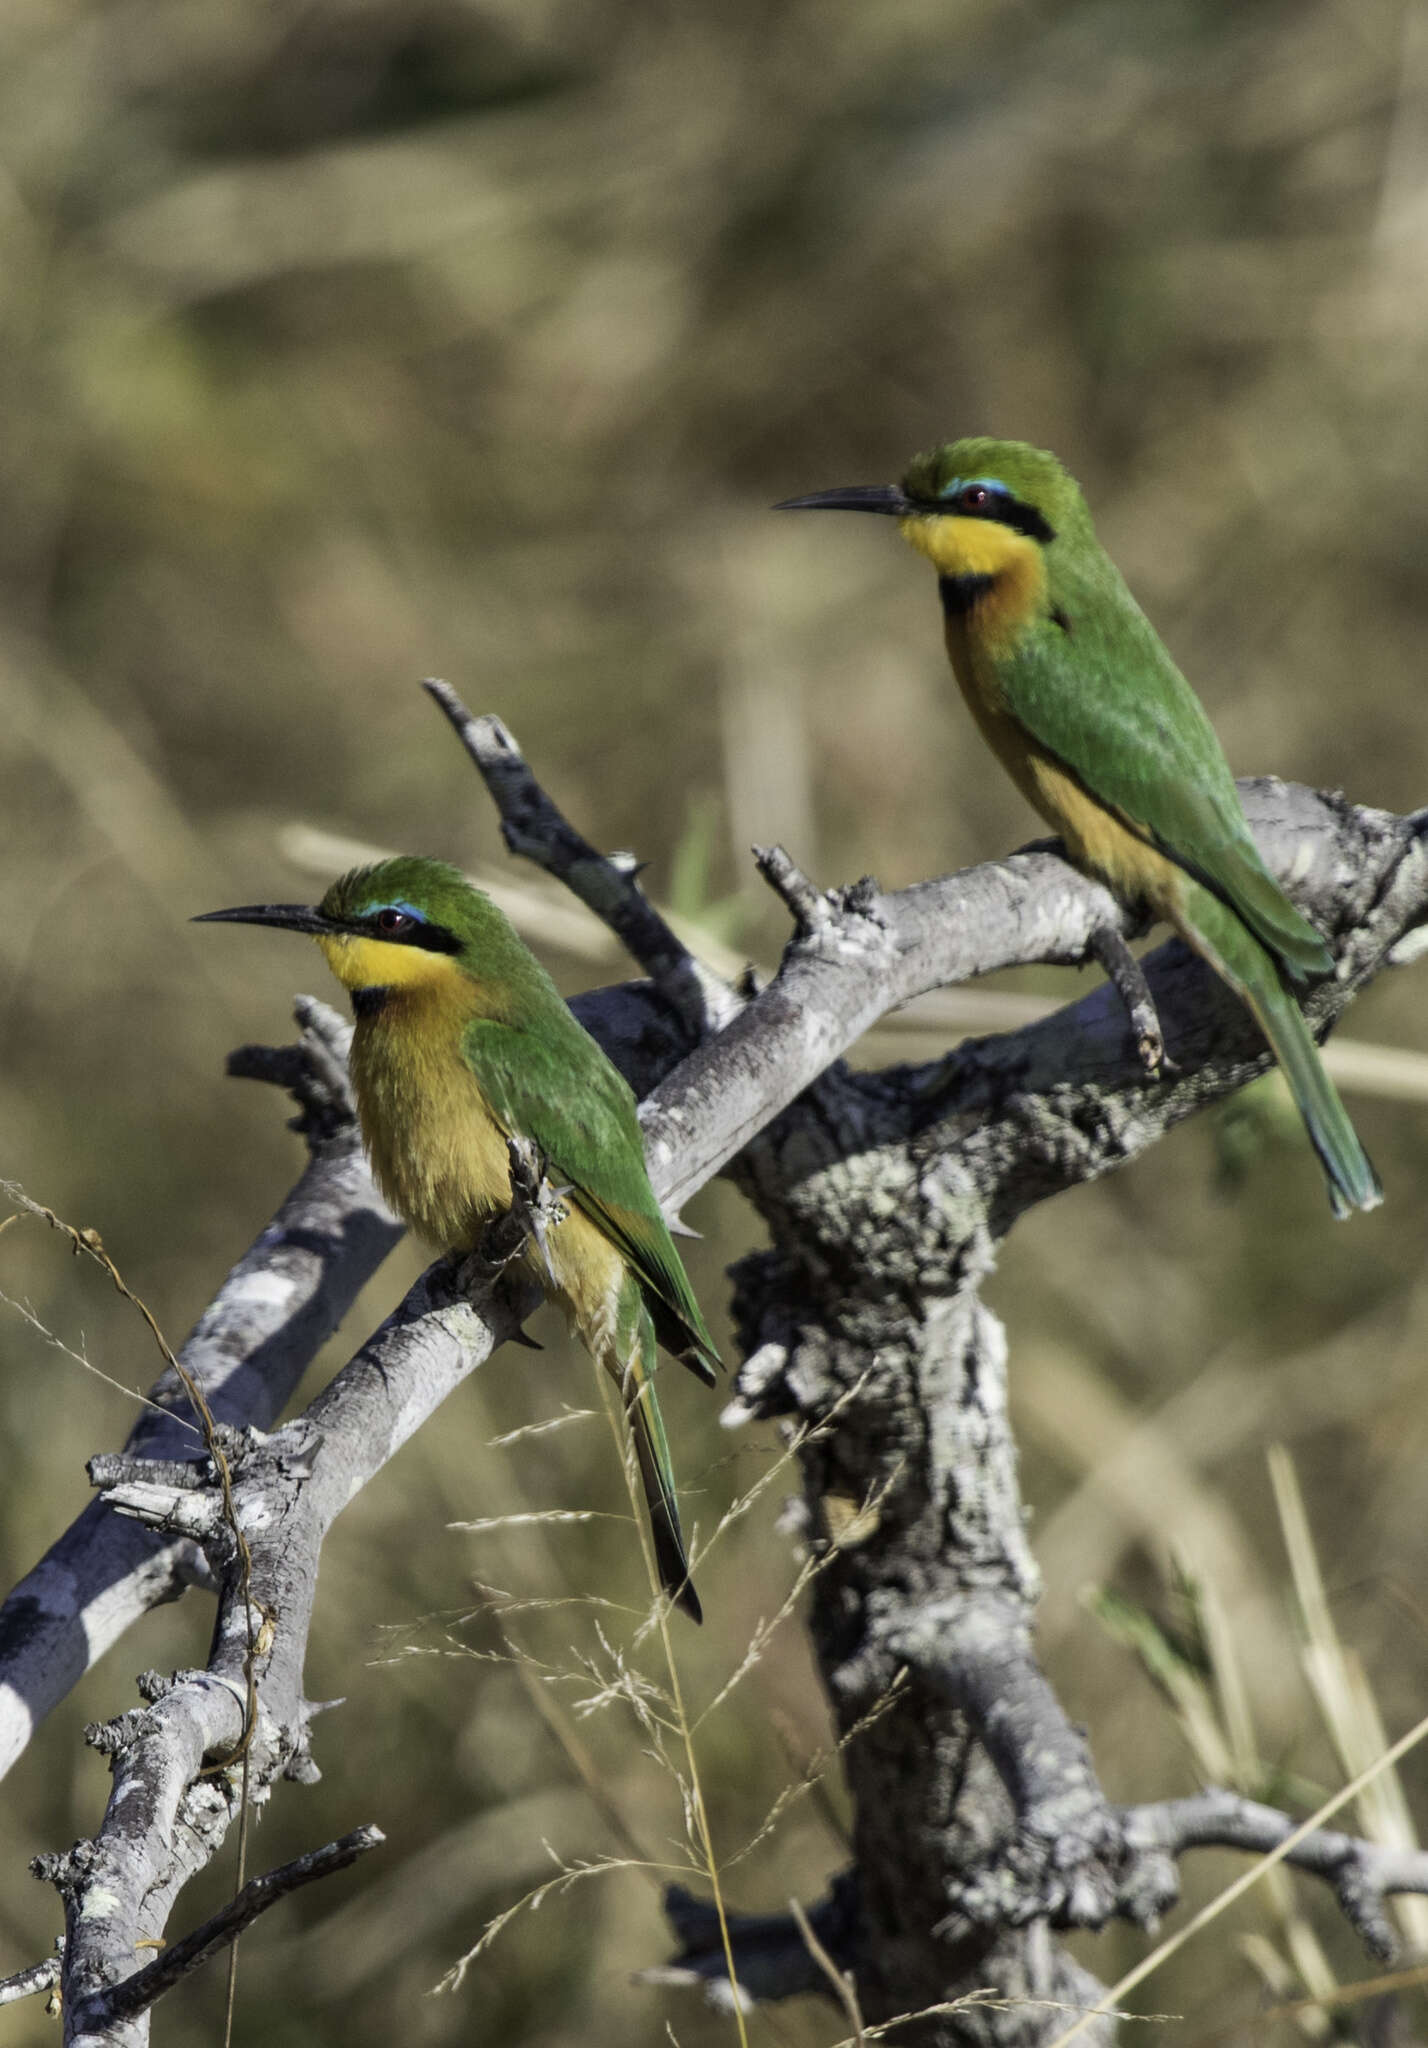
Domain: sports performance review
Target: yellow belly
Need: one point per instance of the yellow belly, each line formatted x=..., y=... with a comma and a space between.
x=590, y=1274
x=439, y=1156
x=437, y=1152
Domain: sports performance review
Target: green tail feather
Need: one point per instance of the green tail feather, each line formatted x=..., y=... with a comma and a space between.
x=1353, y=1184
x=1214, y=930
x=652, y=1449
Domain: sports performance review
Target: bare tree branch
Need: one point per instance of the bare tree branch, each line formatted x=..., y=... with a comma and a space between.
x=885, y=1196
x=806, y=904
x=533, y=827
x=181, y=1958
x=772, y=1958
x=1067, y=1858
x=25, y=1983
x=1363, y=1874
x=251, y=1346
x=168, y=1813
x=1152, y=1838
x=1069, y=1097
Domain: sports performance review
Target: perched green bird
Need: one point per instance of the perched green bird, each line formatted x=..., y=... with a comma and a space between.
x=1075, y=693
x=462, y=1042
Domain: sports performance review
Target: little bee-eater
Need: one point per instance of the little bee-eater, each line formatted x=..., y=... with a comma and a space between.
x=1083, y=706
x=463, y=1042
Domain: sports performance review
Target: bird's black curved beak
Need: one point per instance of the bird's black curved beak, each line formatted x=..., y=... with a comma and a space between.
x=288, y=917
x=889, y=498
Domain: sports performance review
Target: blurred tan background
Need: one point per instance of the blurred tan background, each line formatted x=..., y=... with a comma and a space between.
x=356, y=340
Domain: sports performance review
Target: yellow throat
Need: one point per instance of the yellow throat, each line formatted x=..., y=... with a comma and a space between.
x=983, y=547
x=371, y=963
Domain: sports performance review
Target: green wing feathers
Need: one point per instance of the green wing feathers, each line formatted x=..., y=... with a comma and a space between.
x=1214, y=930
x=634, y=1377
x=549, y=1082
x=1106, y=699
x=646, y=1244
x=1098, y=690
x=552, y=1084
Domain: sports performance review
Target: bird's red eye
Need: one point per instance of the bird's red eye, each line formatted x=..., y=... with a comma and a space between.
x=975, y=498
x=392, y=923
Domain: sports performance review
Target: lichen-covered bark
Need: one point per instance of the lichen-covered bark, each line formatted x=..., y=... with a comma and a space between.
x=870, y=1304
x=979, y=1822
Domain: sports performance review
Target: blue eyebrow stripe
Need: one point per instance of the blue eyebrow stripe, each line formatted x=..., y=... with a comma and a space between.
x=398, y=903
x=961, y=483
x=1009, y=510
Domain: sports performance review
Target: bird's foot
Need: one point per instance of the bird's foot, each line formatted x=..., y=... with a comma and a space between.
x=537, y=1204
x=1150, y=1051
x=1124, y=971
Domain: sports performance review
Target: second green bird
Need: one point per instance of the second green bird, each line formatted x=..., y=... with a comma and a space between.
x=1074, y=691
x=463, y=1041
